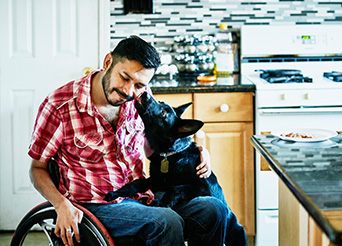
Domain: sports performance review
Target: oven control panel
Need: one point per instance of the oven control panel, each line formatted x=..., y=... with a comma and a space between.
x=308, y=39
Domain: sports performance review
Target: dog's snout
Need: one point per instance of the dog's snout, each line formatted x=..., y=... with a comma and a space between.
x=144, y=95
x=138, y=98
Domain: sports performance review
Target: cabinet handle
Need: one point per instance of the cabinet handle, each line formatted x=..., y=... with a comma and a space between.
x=200, y=134
x=224, y=108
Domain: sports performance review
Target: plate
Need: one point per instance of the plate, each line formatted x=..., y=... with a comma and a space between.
x=316, y=135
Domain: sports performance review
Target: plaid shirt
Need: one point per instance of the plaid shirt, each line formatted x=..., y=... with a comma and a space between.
x=92, y=156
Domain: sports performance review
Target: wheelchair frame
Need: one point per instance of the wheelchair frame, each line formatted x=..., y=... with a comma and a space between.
x=92, y=231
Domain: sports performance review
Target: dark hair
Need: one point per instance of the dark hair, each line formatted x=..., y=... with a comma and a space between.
x=135, y=48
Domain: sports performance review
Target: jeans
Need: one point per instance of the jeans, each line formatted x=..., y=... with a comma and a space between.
x=235, y=234
x=202, y=221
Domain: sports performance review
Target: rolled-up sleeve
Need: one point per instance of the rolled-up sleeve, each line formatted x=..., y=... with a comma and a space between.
x=47, y=134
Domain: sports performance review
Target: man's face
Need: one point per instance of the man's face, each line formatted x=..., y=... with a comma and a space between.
x=125, y=81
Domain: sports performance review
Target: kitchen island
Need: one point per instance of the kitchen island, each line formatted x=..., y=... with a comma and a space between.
x=310, y=188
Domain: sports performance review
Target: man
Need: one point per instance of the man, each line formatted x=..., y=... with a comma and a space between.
x=91, y=128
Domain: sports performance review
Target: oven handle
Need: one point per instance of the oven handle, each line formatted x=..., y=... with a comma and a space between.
x=321, y=110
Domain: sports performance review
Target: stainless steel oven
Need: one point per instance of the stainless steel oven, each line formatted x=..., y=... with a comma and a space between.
x=296, y=72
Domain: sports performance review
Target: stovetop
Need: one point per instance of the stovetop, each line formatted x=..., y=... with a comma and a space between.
x=284, y=76
x=311, y=49
x=334, y=76
x=271, y=75
x=294, y=76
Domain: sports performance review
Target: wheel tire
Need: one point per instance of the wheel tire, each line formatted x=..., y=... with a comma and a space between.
x=91, y=233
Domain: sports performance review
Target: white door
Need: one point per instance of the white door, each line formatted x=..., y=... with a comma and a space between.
x=43, y=45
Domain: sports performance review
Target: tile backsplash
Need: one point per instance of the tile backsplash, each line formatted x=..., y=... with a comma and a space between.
x=181, y=17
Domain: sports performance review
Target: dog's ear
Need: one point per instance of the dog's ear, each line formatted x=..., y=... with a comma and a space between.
x=180, y=110
x=188, y=127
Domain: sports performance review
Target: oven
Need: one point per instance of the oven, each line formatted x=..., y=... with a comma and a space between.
x=297, y=73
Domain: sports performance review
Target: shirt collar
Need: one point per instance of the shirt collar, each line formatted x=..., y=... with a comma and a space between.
x=82, y=93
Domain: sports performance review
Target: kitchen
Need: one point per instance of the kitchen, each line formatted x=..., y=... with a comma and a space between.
x=192, y=17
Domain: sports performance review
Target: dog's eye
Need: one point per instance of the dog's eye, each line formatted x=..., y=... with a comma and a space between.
x=163, y=113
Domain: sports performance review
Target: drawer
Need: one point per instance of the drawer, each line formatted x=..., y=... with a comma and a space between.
x=218, y=107
x=176, y=100
x=303, y=97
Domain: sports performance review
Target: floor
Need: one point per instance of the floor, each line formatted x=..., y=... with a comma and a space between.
x=33, y=239
x=39, y=239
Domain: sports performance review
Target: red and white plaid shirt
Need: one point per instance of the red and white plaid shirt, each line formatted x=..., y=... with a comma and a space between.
x=93, y=158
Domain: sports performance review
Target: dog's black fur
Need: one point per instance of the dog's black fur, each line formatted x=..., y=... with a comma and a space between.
x=166, y=133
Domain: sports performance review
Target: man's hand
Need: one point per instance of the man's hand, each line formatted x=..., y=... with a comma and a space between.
x=204, y=169
x=68, y=218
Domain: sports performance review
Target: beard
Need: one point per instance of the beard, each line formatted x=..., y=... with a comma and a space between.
x=108, y=91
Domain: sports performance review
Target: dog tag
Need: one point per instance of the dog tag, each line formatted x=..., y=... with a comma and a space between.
x=164, y=167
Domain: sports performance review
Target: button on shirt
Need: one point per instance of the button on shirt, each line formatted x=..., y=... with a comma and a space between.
x=93, y=157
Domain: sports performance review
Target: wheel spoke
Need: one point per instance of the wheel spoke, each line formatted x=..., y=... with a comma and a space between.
x=46, y=228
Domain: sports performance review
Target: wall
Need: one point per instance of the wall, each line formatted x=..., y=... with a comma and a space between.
x=178, y=17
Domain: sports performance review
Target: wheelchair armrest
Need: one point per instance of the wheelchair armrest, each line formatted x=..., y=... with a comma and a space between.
x=53, y=170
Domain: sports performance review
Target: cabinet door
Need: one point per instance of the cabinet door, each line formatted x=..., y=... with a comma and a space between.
x=300, y=229
x=232, y=162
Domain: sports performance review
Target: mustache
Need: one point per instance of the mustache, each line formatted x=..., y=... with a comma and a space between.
x=129, y=98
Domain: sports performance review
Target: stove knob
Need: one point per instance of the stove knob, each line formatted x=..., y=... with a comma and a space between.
x=224, y=108
x=306, y=96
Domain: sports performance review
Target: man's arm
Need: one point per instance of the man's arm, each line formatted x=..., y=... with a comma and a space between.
x=68, y=216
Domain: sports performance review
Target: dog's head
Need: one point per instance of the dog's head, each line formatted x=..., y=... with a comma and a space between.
x=163, y=125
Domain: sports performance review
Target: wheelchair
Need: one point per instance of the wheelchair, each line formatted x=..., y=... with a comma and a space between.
x=43, y=217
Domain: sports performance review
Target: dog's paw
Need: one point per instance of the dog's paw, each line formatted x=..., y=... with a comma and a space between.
x=111, y=196
x=155, y=203
x=160, y=203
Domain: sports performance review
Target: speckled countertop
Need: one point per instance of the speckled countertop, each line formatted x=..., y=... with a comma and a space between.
x=183, y=85
x=312, y=171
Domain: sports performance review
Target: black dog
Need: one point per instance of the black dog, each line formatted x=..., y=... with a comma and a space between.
x=173, y=177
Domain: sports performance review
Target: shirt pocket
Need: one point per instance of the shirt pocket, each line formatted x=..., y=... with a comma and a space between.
x=90, y=146
x=134, y=137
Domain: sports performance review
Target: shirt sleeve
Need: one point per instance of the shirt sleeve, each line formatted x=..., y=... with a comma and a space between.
x=47, y=133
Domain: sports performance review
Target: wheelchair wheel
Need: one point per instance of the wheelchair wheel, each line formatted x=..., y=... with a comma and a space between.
x=44, y=217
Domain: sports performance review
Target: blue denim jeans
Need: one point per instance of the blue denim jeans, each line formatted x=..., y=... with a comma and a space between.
x=235, y=234
x=202, y=221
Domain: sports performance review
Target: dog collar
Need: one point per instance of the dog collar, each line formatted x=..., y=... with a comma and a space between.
x=164, y=165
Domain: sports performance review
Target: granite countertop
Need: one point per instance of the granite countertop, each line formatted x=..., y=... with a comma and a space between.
x=313, y=173
x=190, y=85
